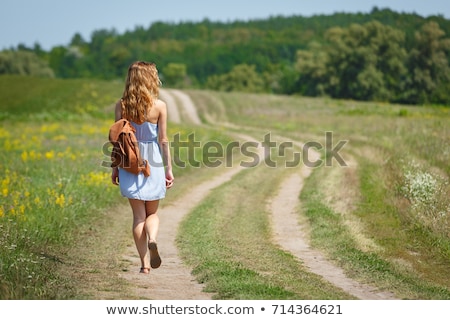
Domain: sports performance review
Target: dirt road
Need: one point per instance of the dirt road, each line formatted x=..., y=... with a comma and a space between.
x=174, y=280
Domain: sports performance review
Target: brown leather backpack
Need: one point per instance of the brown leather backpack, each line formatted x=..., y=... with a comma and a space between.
x=125, y=153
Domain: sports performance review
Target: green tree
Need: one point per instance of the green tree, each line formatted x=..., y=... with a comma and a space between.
x=102, y=60
x=312, y=67
x=350, y=56
x=243, y=78
x=365, y=62
x=77, y=40
x=68, y=62
x=24, y=63
x=174, y=74
x=429, y=71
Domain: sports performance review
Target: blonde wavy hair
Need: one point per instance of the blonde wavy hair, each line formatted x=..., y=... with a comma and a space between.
x=141, y=91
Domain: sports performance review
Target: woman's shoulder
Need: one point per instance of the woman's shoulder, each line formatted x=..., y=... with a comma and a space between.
x=160, y=104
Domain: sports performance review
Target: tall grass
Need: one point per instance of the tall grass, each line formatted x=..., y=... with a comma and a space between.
x=51, y=183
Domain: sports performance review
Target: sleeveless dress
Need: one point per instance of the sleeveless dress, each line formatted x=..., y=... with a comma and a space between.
x=153, y=187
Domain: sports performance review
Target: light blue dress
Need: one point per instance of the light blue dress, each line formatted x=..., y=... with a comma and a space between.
x=135, y=186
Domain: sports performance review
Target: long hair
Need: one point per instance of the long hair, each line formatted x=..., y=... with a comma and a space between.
x=141, y=91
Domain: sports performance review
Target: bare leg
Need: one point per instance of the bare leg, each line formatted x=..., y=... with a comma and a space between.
x=145, y=227
x=152, y=227
x=152, y=220
x=139, y=233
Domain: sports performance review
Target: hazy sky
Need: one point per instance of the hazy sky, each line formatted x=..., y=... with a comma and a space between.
x=54, y=22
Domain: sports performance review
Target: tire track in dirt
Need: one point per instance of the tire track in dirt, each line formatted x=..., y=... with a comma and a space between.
x=187, y=106
x=290, y=235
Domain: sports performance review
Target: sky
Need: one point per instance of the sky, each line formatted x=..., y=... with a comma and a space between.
x=54, y=22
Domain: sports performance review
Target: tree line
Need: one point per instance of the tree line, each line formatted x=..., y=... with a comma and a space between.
x=380, y=56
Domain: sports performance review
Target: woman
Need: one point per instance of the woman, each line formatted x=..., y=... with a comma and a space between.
x=148, y=115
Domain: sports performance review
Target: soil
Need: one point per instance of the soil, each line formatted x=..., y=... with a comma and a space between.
x=173, y=280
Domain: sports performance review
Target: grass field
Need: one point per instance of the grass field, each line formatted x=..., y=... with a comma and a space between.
x=392, y=230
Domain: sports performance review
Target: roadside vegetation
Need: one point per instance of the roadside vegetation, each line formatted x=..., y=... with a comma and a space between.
x=51, y=180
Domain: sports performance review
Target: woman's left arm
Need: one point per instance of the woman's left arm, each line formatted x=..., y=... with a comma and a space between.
x=117, y=116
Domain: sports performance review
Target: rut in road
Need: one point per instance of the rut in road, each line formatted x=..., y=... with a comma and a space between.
x=290, y=235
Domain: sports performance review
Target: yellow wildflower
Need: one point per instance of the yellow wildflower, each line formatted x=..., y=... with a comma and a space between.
x=35, y=140
x=50, y=127
x=50, y=154
x=24, y=156
x=5, y=184
x=95, y=178
x=60, y=137
x=6, y=180
x=33, y=155
x=37, y=201
x=7, y=145
x=60, y=200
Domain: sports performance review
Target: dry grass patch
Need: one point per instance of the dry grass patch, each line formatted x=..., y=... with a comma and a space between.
x=341, y=189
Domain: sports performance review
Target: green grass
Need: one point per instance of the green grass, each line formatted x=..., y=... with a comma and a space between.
x=46, y=99
x=54, y=191
x=381, y=268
